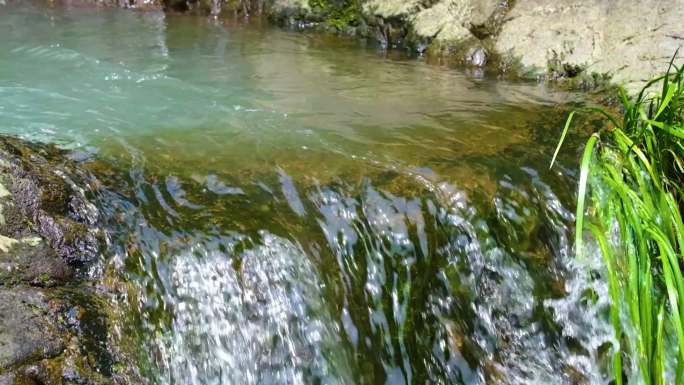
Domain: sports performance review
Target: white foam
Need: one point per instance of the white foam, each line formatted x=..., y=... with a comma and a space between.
x=263, y=323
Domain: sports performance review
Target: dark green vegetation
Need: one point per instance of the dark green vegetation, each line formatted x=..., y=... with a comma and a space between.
x=631, y=174
x=338, y=13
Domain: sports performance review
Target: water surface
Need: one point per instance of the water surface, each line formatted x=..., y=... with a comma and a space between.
x=303, y=209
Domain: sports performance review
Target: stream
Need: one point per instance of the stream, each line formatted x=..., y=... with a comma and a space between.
x=300, y=208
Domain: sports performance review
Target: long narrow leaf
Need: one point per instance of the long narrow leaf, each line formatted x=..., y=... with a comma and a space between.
x=562, y=138
x=581, y=194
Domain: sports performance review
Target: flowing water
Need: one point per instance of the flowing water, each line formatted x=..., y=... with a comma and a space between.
x=297, y=208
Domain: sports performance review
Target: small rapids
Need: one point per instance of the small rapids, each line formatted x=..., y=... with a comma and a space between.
x=292, y=208
x=261, y=324
x=355, y=284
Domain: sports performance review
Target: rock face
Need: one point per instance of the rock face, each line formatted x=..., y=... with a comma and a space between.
x=628, y=40
x=54, y=321
x=443, y=20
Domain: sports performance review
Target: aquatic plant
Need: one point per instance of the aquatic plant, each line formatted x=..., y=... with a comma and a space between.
x=630, y=184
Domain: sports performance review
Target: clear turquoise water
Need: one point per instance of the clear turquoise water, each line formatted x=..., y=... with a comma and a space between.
x=298, y=208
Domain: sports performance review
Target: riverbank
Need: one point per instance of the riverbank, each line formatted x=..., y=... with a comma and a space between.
x=579, y=43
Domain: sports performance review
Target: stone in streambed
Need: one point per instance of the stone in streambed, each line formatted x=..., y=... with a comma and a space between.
x=54, y=326
x=54, y=337
x=42, y=200
x=31, y=261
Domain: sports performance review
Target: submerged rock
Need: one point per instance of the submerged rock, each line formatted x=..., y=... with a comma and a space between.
x=54, y=320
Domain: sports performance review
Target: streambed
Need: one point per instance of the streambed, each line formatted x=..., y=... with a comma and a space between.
x=297, y=208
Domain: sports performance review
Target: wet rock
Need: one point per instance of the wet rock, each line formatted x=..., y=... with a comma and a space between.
x=477, y=57
x=55, y=337
x=26, y=331
x=32, y=261
x=40, y=200
x=7, y=378
x=54, y=326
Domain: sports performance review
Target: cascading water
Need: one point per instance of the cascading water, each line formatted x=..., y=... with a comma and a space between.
x=367, y=286
x=293, y=209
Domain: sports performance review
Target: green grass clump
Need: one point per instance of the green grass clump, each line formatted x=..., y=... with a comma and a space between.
x=630, y=201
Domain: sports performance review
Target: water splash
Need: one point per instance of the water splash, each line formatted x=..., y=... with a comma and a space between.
x=432, y=288
x=249, y=318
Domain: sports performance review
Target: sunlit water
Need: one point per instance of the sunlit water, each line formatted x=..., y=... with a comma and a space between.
x=301, y=209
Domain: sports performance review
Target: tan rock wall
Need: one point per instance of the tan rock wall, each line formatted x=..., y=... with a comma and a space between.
x=630, y=40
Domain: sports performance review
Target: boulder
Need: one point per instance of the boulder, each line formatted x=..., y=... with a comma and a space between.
x=631, y=40
x=55, y=314
x=443, y=20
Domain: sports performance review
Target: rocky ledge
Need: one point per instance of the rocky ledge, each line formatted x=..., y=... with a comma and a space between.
x=56, y=318
x=583, y=43
x=592, y=41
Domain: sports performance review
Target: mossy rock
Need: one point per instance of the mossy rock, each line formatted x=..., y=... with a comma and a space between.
x=45, y=200
x=57, y=336
x=54, y=324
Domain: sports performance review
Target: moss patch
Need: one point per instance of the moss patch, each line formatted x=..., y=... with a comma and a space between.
x=339, y=14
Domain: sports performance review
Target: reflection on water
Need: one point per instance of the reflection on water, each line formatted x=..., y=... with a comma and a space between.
x=299, y=209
